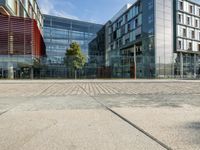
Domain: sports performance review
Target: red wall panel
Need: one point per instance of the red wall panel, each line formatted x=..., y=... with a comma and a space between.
x=20, y=36
x=4, y=31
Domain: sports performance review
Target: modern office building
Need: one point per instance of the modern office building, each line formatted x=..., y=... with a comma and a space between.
x=187, y=37
x=22, y=8
x=21, y=40
x=60, y=32
x=97, y=54
x=154, y=38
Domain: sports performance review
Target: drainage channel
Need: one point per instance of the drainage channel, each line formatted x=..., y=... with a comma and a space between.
x=3, y=112
x=128, y=121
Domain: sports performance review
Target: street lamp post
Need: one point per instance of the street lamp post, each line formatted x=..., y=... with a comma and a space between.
x=135, y=63
x=181, y=65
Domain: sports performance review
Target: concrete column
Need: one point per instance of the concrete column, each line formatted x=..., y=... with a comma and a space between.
x=135, y=62
x=195, y=65
x=172, y=69
x=1, y=69
x=10, y=71
x=32, y=73
x=11, y=50
x=181, y=64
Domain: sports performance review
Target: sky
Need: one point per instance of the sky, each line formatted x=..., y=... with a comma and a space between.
x=96, y=11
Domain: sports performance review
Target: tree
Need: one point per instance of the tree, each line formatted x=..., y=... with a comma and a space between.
x=74, y=58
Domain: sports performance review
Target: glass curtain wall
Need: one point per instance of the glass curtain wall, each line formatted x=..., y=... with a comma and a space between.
x=59, y=33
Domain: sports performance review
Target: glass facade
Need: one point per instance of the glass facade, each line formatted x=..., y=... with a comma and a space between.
x=96, y=62
x=1, y=1
x=60, y=32
x=133, y=30
x=164, y=37
x=21, y=40
x=146, y=68
x=19, y=47
x=145, y=40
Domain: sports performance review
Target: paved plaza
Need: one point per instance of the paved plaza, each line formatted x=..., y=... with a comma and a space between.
x=99, y=115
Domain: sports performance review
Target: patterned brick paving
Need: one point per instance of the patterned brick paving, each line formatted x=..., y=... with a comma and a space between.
x=97, y=88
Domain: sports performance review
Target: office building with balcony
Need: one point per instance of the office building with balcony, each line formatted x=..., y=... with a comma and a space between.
x=21, y=39
x=154, y=38
x=187, y=37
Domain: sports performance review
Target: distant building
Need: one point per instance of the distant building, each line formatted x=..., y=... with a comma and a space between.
x=60, y=32
x=187, y=37
x=97, y=52
x=21, y=41
x=163, y=36
x=97, y=55
x=22, y=8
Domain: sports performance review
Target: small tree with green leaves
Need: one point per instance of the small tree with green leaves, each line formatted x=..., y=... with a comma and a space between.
x=74, y=58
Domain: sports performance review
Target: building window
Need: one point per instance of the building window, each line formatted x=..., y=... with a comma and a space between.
x=114, y=35
x=181, y=5
x=129, y=27
x=193, y=34
x=191, y=9
x=111, y=47
x=184, y=33
x=199, y=35
x=29, y=10
x=196, y=23
x=132, y=24
x=117, y=44
x=120, y=42
x=190, y=46
x=109, y=30
x=179, y=44
x=199, y=47
x=179, y=18
x=188, y=20
x=21, y=11
x=126, y=17
x=16, y=8
x=136, y=23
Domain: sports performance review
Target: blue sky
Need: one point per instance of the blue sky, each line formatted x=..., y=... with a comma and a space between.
x=97, y=11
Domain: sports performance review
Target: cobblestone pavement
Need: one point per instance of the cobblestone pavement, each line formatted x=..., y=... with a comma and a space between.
x=144, y=114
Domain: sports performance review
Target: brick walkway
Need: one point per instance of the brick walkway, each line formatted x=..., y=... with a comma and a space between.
x=97, y=88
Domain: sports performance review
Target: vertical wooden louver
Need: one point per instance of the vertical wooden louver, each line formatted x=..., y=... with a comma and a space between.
x=4, y=38
x=20, y=36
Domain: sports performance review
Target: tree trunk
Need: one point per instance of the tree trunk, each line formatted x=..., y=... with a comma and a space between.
x=75, y=74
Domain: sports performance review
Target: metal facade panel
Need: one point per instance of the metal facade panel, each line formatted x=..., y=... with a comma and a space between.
x=20, y=36
x=4, y=31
